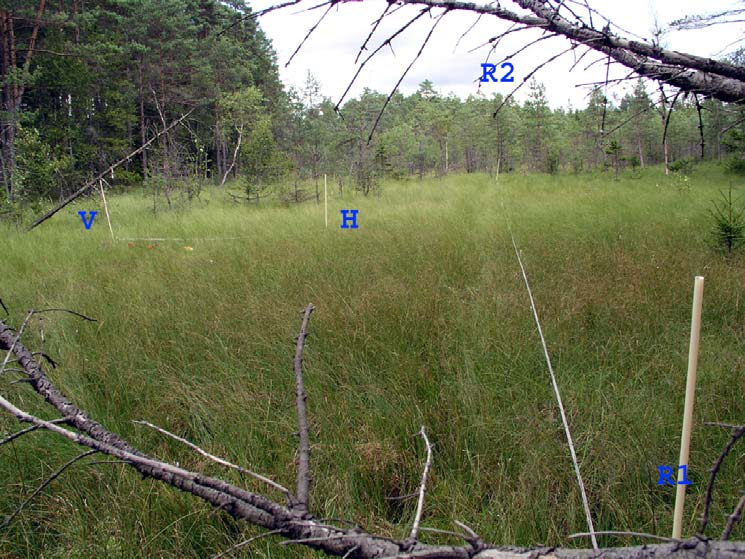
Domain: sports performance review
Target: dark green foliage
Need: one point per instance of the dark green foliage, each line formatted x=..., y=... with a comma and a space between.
x=735, y=165
x=683, y=166
x=38, y=175
x=729, y=223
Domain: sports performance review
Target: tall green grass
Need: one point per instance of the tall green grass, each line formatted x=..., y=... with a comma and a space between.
x=421, y=319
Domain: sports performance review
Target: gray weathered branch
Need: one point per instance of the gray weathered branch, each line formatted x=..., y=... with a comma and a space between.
x=303, y=466
x=689, y=72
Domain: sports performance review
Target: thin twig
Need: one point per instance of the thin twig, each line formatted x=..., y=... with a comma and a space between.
x=235, y=155
x=373, y=53
x=46, y=357
x=244, y=543
x=351, y=550
x=258, y=14
x=495, y=40
x=310, y=32
x=217, y=459
x=41, y=335
x=527, y=77
x=372, y=32
x=581, y=56
x=558, y=395
x=403, y=75
x=422, y=487
x=700, y=125
x=733, y=518
x=528, y=45
x=22, y=432
x=668, y=114
x=737, y=431
x=41, y=487
x=736, y=123
x=467, y=528
x=15, y=341
x=723, y=425
x=84, y=317
x=303, y=468
x=466, y=32
x=632, y=117
x=317, y=525
x=319, y=539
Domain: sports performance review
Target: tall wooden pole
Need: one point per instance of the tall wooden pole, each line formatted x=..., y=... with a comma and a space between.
x=685, y=438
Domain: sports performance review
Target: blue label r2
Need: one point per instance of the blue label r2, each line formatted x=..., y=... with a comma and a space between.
x=489, y=69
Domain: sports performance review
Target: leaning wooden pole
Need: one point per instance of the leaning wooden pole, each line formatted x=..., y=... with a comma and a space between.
x=94, y=181
x=106, y=209
x=685, y=438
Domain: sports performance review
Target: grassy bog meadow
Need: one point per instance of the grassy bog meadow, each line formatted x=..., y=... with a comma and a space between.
x=422, y=318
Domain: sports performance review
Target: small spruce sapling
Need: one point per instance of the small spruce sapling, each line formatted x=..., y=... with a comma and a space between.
x=729, y=223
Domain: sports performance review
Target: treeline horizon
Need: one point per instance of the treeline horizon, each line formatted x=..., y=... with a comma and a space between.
x=86, y=84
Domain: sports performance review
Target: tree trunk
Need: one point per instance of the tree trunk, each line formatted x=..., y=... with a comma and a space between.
x=218, y=142
x=641, y=152
x=143, y=130
x=447, y=158
x=75, y=17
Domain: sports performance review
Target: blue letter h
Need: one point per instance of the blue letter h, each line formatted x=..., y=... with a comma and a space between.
x=346, y=217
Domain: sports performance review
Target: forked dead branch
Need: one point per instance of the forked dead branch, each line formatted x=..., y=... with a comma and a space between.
x=293, y=521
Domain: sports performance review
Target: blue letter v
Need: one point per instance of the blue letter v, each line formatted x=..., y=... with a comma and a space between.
x=87, y=224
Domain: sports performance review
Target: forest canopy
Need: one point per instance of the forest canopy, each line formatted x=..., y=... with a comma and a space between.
x=86, y=84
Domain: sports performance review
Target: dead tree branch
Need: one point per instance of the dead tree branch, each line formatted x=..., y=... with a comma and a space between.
x=217, y=460
x=303, y=467
x=376, y=51
x=733, y=518
x=422, y=487
x=403, y=75
x=372, y=31
x=41, y=487
x=293, y=524
x=737, y=431
x=688, y=72
x=244, y=543
x=311, y=30
x=235, y=156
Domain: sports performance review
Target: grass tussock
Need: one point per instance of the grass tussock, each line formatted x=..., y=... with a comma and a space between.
x=421, y=318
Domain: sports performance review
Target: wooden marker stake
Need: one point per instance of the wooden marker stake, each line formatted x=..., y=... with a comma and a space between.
x=685, y=438
x=106, y=208
x=326, y=200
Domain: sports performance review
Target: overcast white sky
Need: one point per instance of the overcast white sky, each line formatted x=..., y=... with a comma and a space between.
x=330, y=52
